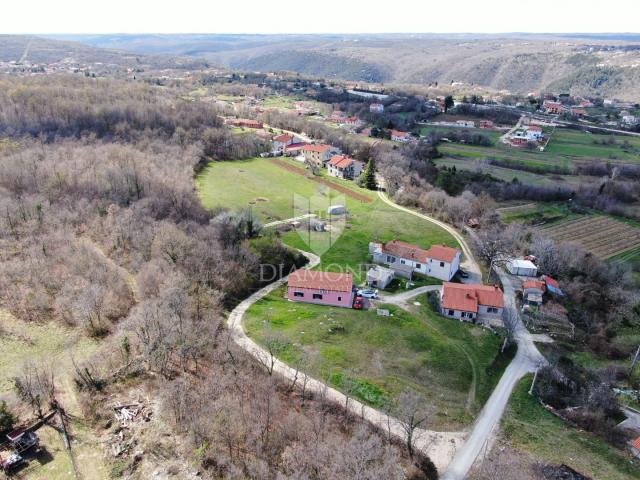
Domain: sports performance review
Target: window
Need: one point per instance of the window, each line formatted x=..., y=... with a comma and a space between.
x=418, y=266
x=451, y=313
x=298, y=294
x=317, y=296
x=442, y=264
x=339, y=299
x=492, y=310
x=402, y=262
x=391, y=259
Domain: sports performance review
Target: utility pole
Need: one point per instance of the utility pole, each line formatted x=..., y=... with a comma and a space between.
x=635, y=360
x=535, y=376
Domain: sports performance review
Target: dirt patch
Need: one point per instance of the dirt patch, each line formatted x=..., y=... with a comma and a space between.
x=261, y=199
x=302, y=172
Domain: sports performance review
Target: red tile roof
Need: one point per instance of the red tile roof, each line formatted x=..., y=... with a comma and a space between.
x=467, y=297
x=413, y=252
x=295, y=146
x=405, y=250
x=550, y=281
x=534, y=284
x=340, y=282
x=636, y=443
x=284, y=138
x=341, y=161
x=398, y=133
x=320, y=148
x=442, y=253
x=534, y=128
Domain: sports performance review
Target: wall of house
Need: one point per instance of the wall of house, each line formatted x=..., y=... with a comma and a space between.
x=329, y=297
x=482, y=316
x=459, y=315
x=431, y=269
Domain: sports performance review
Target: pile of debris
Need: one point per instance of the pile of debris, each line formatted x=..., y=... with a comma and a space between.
x=127, y=415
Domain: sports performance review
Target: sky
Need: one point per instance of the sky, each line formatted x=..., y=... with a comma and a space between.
x=326, y=16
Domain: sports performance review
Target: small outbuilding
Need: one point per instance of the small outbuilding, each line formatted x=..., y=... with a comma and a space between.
x=379, y=277
x=522, y=267
x=337, y=210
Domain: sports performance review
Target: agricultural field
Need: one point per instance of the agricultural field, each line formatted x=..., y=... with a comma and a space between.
x=453, y=365
x=534, y=213
x=493, y=135
x=603, y=236
x=267, y=186
x=576, y=144
x=527, y=426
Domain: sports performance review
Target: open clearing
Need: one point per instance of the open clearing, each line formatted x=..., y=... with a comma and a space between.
x=269, y=190
x=453, y=365
x=603, y=236
x=529, y=427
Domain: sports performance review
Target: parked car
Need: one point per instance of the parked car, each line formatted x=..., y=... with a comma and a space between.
x=358, y=304
x=367, y=293
x=463, y=274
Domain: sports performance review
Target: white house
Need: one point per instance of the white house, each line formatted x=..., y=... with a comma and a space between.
x=281, y=141
x=438, y=261
x=342, y=166
x=471, y=303
x=522, y=267
x=376, y=108
x=319, y=154
x=466, y=123
x=398, y=136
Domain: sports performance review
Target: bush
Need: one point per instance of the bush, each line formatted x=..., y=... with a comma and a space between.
x=7, y=419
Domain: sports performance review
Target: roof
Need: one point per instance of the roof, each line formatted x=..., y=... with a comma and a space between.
x=284, y=138
x=294, y=146
x=522, y=263
x=534, y=128
x=379, y=272
x=340, y=282
x=405, y=250
x=413, y=252
x=537, y=284
x=467, y=297
x=321, y=148
x=635, y=443
x=398, y=133
x=341, y=161
x=442, y=253
x=552, y=285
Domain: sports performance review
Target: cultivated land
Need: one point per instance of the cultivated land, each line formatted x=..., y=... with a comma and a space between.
x=603, y=236
x=271, y=188
x=529, y=427
x=453, y=365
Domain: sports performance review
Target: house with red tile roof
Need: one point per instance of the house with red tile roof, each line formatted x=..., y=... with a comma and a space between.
x=343, y=166
x=281, y=141
x=294, y=149
x=319, y=154
x=398, y=136
x=471, y=302
x=244, y=123
x=532, y=291
x=553, y=107
x=323, y=288
x=437, y=261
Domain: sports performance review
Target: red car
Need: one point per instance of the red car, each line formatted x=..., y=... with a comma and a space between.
x=358, y=304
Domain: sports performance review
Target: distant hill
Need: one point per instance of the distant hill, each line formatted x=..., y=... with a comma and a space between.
x=602, y=64
x=38, y=50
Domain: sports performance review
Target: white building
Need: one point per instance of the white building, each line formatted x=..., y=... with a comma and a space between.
x=376, y=108
x=438, y=261
x=522, y=267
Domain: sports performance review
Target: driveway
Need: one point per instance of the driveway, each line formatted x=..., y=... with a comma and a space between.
x=401, y=299
x=527, y=360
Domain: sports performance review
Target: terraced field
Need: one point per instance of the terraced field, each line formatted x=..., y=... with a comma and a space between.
x=603, y=236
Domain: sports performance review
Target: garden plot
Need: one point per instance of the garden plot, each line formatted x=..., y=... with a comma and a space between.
x=603, y=236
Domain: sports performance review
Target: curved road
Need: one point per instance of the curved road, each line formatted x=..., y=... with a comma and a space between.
x=439, y=446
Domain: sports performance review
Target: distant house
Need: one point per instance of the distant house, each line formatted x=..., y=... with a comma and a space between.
x=343, y=166
x=471, y=302
x=244, y=123
x=438, y=261
x=319, y=154
x=466, y=123
x=324, y=288
x=532, y=291
x=522, y=267
x=578, y=112
x=281, y=141
x=629, y=119
x=553, y=107
x=353, y=121
x=398, y=136
x=376, y=108
x=379, y=277
x=486, y=124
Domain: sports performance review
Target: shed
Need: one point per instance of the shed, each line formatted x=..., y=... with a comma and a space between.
x=522, y=267
x=403, y=271
x=379, y=277
x=336, y=210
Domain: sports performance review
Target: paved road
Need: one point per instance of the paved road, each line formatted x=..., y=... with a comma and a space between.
x=469, y=263
x=527, y=359
x=439, y=446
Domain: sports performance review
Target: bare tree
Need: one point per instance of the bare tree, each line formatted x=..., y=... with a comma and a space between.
x=414, y=414
x=35, y=386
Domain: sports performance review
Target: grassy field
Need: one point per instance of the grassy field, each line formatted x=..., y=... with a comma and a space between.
x=491, y=134
x=535, y=213
x=54, y=345
x=572, y=143
x=269, y=190
x=453, y=365
x=529, y=427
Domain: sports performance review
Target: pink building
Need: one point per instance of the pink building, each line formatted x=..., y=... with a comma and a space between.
x=324, y=288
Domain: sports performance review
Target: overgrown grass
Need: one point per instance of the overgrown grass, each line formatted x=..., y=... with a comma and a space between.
x=529, y=427
x=375, y=357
